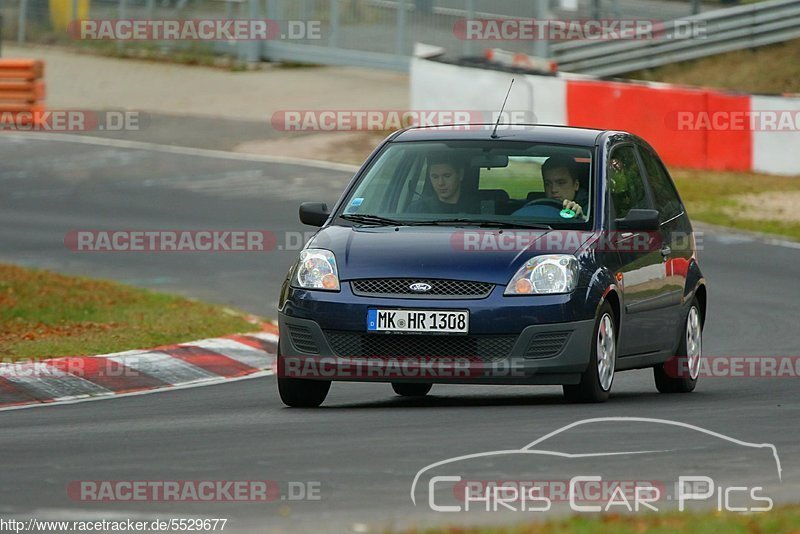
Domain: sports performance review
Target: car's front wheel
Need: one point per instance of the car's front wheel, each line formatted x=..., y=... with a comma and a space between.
x=406, y=389
x=679, y=374
x=303, y=393
x=596, y=381
x=300, y=392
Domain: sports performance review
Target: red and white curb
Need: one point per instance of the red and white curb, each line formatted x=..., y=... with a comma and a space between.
x=75, y=379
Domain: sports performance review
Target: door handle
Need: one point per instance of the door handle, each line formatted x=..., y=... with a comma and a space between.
x=666, y=251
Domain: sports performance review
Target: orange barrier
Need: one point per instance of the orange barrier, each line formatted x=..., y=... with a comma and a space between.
x=21, y=91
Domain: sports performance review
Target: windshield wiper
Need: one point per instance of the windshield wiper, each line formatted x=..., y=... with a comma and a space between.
x=488, y=223
x=377, y=220
x=371, y=219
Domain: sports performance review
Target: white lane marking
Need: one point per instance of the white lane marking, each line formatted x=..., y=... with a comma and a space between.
x=782, y=243
x=210, y=382
x=45, y=382
x=164, y=367
x=733, y=236
x=186, y=151
x=123, y=354
x=733, y=239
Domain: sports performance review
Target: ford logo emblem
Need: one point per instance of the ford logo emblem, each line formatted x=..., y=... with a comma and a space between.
x=420, y=287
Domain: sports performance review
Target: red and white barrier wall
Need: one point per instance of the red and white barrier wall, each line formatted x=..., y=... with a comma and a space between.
x=689, y=127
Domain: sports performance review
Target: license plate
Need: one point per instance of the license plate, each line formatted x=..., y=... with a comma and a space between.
x=449, y=322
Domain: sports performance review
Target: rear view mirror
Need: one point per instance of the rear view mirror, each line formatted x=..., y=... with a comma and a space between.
x=639, y=220
x=314, y=213
x=490, y=161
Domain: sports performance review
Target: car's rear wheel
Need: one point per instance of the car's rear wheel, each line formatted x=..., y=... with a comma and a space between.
x=679, y=375
x=406, y=389
x=596, y=381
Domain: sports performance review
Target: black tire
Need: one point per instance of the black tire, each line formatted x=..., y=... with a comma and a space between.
x=407, y=389
x=302, y=393
x=590, y=389
x=675, y=375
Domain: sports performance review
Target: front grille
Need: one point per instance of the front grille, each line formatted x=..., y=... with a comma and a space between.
x=400, y=287
x=356, y=345
x=546, y=344
x=302, y=340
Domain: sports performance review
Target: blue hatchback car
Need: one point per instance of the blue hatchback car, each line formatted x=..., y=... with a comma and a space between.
x=529, y=255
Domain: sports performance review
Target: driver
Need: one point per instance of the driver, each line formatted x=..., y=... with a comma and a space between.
x=561, y=182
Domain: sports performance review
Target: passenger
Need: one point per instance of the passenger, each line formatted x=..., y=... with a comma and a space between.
x=446, y=175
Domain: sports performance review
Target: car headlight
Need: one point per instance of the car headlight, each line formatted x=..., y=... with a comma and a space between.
x=545, y=275
x=316, y=269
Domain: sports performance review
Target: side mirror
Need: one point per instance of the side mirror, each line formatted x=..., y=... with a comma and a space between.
x=314, y=213
x=639, y=220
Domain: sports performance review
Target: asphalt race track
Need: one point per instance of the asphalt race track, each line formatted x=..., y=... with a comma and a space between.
x=364, y=446
x=50, y=188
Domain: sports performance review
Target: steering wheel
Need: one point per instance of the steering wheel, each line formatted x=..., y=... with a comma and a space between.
x=549, y=208
x=550, y=202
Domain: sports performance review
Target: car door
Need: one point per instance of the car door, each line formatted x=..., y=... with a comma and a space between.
x=676, y=232
x=642, y=266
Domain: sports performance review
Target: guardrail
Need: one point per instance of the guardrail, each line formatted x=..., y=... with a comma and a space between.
x=718, y=31
x=21, y=90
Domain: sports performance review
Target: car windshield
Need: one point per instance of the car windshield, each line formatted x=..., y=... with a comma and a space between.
x=482, y=183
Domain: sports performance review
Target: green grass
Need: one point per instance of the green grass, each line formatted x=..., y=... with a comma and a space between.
x=781, y=520
x=43, y=314
x=767, y=69
x=709, y=196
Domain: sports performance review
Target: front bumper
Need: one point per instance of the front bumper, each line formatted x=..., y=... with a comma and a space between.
x=511, y=341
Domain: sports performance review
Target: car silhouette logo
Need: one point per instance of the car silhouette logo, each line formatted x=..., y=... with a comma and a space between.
x=420, y=287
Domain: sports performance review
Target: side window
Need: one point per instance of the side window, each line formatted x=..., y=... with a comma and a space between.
x=666, y=197
x=625, y=181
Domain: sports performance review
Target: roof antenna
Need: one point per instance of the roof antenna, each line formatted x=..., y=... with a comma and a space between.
x=500, y=116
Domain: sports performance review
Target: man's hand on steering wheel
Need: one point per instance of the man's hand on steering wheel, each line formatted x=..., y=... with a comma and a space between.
x=574, y=206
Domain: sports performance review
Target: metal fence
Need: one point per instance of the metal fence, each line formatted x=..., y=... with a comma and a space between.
x=367, y=33
x=720, y=31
